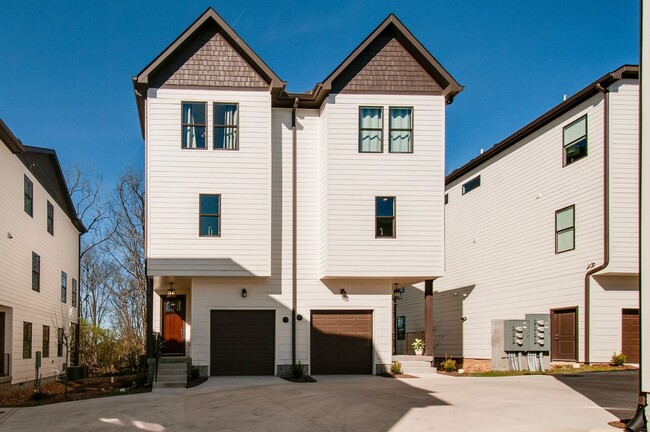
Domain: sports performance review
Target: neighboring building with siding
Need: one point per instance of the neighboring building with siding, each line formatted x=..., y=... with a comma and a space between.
x=546, y=222
x=39, y=260
x=284, y=221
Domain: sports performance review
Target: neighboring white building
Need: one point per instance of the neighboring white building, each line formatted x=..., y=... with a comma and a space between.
x=285, y=221
x=546, y=222
x=39, y=261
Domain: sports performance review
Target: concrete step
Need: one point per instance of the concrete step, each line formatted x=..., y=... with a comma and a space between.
x=174, y=376
x=175, y=360
x=174, y=384
x=403, y=358
x=172, y=367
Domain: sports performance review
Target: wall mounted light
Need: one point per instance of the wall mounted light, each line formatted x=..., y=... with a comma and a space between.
x=171, y=292
x=463, y=319
x=397, y=293
x=344, y=293
x=9, y=235
x=285, y=320
x=299, y=317
x=244, y=293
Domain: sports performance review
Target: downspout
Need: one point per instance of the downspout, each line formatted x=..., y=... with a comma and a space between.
x=605, y=263
x=294, y=230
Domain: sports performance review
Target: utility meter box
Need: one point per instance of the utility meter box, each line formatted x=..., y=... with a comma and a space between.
x=515, y=335
x=540, y=332
x=38, y=359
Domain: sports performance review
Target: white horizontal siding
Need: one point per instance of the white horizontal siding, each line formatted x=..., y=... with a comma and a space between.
x=500, y=240
x=176, y=177
x=354, y=179
x=58, y=253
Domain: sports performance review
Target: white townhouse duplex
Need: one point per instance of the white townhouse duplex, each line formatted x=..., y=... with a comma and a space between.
x=39, y=262
x=280, y=223
x=546, y=222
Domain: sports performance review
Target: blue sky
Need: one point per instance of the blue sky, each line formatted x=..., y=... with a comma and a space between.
x=65, y=79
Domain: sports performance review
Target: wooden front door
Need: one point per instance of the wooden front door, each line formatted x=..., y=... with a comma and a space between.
x=174, y=325
x=630, y=345
x=564, y=330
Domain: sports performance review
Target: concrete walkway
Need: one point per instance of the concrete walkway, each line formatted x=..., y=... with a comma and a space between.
x=334, y=403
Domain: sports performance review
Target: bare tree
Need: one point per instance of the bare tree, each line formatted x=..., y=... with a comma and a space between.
x=126, y=246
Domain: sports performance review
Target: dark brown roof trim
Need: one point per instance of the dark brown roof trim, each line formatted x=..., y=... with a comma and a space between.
x=626, y=71
x=10, y=139
x=450, y=87
x=49, y=183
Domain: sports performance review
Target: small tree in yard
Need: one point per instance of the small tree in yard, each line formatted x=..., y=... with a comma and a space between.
x=66, y=335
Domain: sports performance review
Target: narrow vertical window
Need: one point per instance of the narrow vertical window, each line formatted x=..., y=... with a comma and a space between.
x=575, y=140
x=193, y=125
x=446, y=198
x=565, y=229
x=27, y=340
x=59, y=342
x=73, y=298
x=50, y=218
x=385, y=217
x=46, y=341
x=370, y=130
x=64, y=287
x=401, y=130
x=226, y=126
x=209, y=215
x=36, y=272
x=29, y=197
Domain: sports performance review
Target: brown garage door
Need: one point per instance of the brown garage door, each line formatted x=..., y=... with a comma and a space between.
x=564, y=330
x=341, y=342
x=630, y=335
x=242, y=342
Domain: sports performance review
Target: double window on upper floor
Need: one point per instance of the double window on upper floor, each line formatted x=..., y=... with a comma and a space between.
x=371, y=129
x=225, y=126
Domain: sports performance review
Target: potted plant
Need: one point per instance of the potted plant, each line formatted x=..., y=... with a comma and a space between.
x=418, y=346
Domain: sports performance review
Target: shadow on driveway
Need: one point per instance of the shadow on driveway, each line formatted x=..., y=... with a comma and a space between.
x=616, y=392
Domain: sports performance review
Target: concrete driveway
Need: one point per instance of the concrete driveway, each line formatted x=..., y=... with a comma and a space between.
x=335, y=403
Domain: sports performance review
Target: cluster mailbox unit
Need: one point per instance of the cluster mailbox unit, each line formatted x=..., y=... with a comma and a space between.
x=530, y=336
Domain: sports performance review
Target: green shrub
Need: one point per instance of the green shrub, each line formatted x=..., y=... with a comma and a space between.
x=618, y=359
x=296, y=370
x=194, y=372
x=396, y=368
x=449, y=365
x=141, y=379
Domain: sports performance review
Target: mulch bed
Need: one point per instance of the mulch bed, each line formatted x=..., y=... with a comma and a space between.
x=392, y=375
x=302, y=379
x=618, y=424
x=196, y=382
x=88, y=388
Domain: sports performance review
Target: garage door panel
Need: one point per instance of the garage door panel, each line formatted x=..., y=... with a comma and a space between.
x=242, y=342
x=341, y=342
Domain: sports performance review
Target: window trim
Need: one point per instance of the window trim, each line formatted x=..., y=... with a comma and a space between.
x=50, y=217
x=565, y=145
x=205, y=125
x=381, y=129
x=64, y=287
x=28, y=195
x=59, y=342
x=473, y=187
x=27, y=340
x=394, y=217
x=215, y=126
x=573, y=228
x=218, y=215
x=46, y=342
x=73, y=297
x=36, y=272
x=390, y=129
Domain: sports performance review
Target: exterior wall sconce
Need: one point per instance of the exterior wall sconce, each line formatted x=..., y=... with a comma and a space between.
x=244, y=293
x=285, y=320
x=299, y=317
x=171, y=292
x=344, y=293
x=397, y=293
x=463, y=319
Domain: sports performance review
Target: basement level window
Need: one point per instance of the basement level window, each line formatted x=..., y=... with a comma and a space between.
x=472, y=184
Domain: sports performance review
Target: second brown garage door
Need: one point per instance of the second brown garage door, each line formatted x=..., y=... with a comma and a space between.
x=242, y=342
x=631, y=335
x=341, y=342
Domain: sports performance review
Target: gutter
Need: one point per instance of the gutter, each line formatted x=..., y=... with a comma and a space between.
x=294, y=230
x=605, y=263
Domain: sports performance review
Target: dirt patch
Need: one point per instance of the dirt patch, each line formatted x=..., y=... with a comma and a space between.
x=87, y=388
